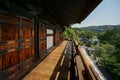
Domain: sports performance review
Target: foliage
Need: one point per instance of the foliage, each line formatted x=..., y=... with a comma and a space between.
x=99, y=51
x=109, y=48
x=110, y=58
x=116, y=73
x=111, y=37
x=108, y=51
x=70, y=34
x=87, y=33
x=102, y=28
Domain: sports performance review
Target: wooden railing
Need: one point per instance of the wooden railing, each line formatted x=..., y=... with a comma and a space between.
x=87, y=72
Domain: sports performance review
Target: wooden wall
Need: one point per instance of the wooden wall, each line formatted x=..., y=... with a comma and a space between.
x=42, y=41
x=58, y=36
x=16, y=50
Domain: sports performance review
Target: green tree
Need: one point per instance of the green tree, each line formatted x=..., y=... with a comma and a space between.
x=99, y=51
x=111, y=37
x=116, y=73
x=105, y=52
x=110, y=49
x=71, y=33
x=108, y=61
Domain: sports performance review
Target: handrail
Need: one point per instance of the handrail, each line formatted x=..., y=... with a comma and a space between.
x=90, y=71
x=86, y=65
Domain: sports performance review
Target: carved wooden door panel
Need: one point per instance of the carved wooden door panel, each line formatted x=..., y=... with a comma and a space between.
x=42, y=41
x=16, y=49
x=9, y=53
x=26, y=37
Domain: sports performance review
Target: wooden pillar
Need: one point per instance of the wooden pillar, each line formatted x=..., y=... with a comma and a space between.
x=32, y=36
x=36, y=39
x=19, y=43
x=0, y=34
x=0, y=49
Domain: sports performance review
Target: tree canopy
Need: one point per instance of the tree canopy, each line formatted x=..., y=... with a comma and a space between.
x=108, y=51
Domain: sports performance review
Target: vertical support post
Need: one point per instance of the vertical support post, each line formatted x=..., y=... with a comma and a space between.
x=36, y=38
x=32, y=27
x=0, y=33
x=0, y=46
x=20, y=43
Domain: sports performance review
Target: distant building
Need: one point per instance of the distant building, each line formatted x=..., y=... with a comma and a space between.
x=95, y=40
x=84, y=39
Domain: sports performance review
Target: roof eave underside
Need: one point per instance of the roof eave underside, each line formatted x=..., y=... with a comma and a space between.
x=61, y=12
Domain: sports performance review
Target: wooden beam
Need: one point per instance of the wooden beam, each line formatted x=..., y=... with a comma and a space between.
x=0, y=33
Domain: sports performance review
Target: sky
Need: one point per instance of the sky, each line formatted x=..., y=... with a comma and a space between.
x=106, y=13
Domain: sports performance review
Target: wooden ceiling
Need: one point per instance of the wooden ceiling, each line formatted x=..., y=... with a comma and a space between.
x=62, y=12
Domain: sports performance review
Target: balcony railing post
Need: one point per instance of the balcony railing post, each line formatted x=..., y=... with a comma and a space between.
x=88, y=72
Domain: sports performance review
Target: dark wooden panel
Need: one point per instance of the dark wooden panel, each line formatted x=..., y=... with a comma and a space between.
x=26, y=22
x=26, y=43
x=13, y=72
x=0, y=62
x=26, y=30
x=42, y=40
x=8, y=46
x=26, y=53
x=8, y=32
x=42, y=32
x=45, y=45
x=9, y=19
x=11, y=77
x=42, y=37
x=15, y=34
x=10, y=59
x=28, y=63
x=56, y=37
x=42, y=45
x=8, y=73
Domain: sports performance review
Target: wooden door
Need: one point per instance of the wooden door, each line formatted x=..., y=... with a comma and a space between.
x=9, y=55
x=42, y=41
x=27, y=53
x=16, y=50
x=56, y=38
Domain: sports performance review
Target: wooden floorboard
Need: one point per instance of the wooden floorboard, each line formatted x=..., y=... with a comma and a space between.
x=46, y=68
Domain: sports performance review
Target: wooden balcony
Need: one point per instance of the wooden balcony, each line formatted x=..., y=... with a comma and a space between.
x=56, y=66
x=66, y=62
x=23, y=40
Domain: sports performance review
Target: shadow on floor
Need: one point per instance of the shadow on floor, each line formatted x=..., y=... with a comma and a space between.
x=62, y=70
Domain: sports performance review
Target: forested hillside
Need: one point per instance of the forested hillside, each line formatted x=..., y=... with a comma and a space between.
x=101, y=28
x=107, y=51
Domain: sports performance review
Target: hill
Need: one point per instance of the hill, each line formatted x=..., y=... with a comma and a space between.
x=101, y=28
